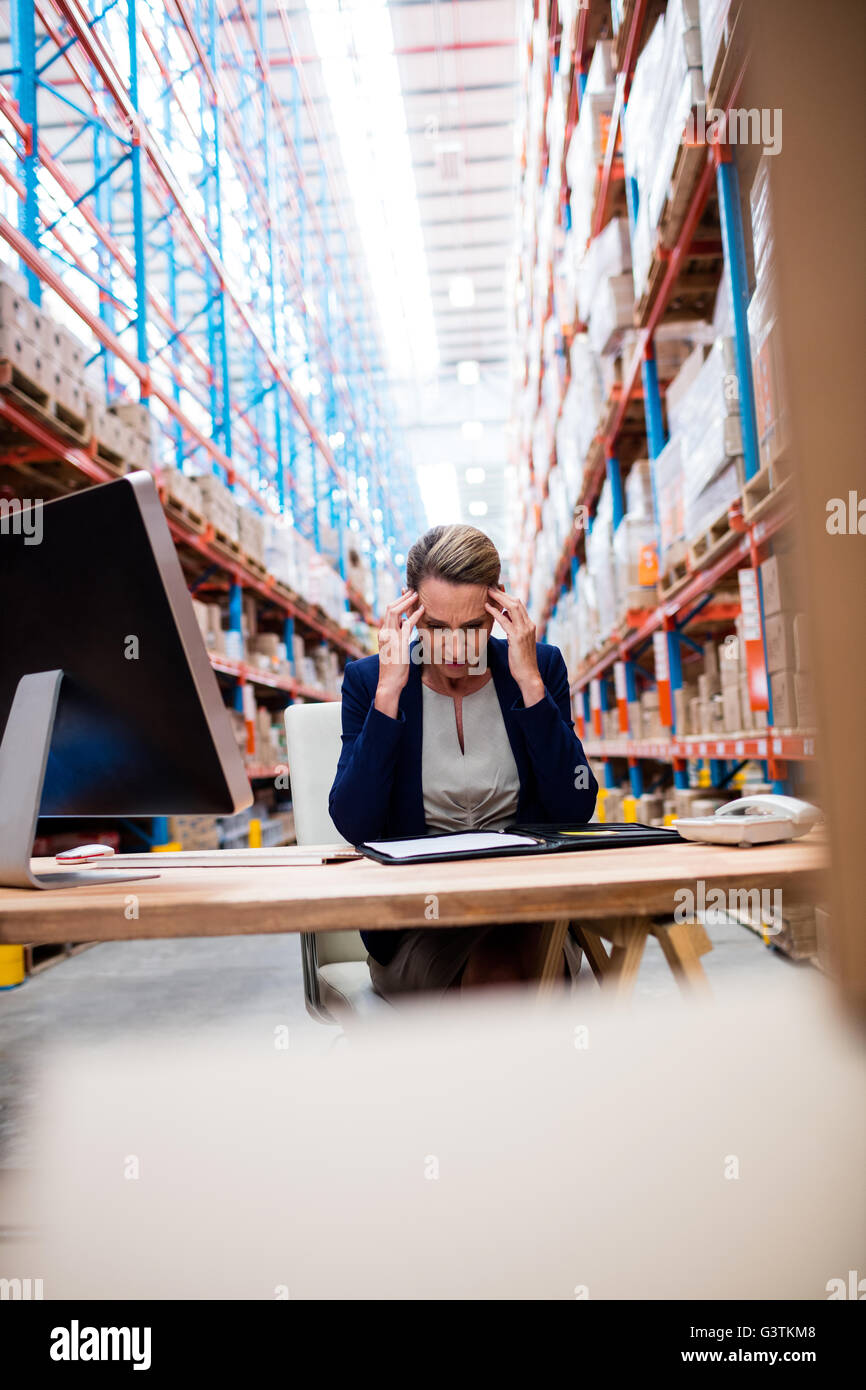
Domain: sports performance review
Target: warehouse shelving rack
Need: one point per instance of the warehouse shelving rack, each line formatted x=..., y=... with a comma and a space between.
x=163, y=184
x=690, y=603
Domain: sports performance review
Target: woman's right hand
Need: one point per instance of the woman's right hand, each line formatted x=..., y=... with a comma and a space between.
x=395, y=634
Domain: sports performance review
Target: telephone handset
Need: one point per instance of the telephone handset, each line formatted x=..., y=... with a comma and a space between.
x=752, y=820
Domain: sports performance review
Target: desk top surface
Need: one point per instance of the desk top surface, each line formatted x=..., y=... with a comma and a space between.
x=360, y=893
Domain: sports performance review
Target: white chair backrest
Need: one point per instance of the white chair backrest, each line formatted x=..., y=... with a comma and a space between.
x=313, y=742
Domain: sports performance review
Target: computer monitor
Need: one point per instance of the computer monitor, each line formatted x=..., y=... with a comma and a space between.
x=109, y=705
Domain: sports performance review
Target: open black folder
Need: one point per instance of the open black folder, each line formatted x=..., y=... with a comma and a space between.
x=514, y=839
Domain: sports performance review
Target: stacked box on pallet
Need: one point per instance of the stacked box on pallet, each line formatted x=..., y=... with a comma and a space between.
x=668, y=85
x=600, y=562
x=786, y=648
x=586, y=151
x=634, y=545
x=714, y=17
x=730, y=680
x=771, y=413
x=607, y=256
x=707, y=418
x=279, y=549
x=587, y=614
x=251, y=533
x=22, y=337
x=194, y=832
x=635, y=586
x=585, y=394
x=218, y=505
x=211, y=623
x=68, y=386
x=137, y=417
x=668, y=471
x=182, y=488
x=639, y=148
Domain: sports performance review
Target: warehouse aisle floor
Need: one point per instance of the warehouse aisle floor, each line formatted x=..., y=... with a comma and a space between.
x=246, y=985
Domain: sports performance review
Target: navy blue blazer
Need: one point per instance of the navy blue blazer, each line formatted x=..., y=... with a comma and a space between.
x=377, y=791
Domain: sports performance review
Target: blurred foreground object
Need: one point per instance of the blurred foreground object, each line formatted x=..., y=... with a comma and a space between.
x=493, y=1151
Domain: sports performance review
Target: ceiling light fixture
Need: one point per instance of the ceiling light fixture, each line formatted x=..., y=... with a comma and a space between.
x=461, y=291
x=472, y=429
x=468, y=373
x=355, y=43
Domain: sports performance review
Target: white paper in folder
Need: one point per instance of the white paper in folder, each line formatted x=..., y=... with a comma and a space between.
x=469, y=843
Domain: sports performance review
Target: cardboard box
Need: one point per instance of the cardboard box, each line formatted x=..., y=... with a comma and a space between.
x=729, y=664
x=708, y=686
x=732, y=717
x=634, y=719
x=711, y=659
x=779, y=639
x=784, y=699
x=804, y=701
x=801, y=643
x=779, y=581
x=696, y=716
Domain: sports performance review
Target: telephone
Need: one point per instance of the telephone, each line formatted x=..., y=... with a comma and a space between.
x=751, y=820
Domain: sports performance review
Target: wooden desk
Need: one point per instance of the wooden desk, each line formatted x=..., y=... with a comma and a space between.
x=611, y=894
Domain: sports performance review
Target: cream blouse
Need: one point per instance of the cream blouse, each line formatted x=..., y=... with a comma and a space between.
x=472, y=790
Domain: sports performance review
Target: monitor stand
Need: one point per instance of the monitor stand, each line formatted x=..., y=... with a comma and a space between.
x=23, y=759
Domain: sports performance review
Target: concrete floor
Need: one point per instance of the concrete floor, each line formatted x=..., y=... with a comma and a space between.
x=239, y=985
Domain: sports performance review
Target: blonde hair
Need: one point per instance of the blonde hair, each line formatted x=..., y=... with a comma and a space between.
x=457, y=553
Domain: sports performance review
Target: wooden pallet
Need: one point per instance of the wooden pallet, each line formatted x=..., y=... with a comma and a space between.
x=226, y=544
x=766, y=489
x=110, y=458
x=711, y=540
x=179, y=511
x=32, y=397
x=74, y=422
x=254, y=566
x=674, y=576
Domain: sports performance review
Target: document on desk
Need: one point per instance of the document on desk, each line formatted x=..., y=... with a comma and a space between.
x=470, y=842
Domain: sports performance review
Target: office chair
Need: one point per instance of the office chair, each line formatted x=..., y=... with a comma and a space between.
x=336, y=977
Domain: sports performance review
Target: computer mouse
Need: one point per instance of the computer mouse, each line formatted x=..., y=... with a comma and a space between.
x=83, y=854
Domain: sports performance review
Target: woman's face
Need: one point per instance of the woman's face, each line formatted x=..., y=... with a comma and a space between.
x=455, y=625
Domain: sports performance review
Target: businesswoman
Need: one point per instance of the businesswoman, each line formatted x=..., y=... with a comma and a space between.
x=457, y=730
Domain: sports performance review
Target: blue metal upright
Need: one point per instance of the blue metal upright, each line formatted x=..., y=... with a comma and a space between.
x=733, y=245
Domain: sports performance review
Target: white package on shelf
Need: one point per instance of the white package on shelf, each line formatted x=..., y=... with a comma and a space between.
x=639, y=491
x=588, y=392
x=630, y=539
x=681, y=87
x=638, y=141
x=761, y=202
x=587, y=614
x=709, y=426
x=668, y=472
x=599, y=559
x=607, y=254
x=612, y=313
x=712, y=15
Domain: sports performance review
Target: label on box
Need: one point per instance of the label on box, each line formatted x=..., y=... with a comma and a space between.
x=753, y=642
x=648, y=565
x=621, y=700
x=595, y=705
x=660, y=652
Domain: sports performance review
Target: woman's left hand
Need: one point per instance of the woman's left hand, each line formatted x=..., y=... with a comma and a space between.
x=520, y=631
